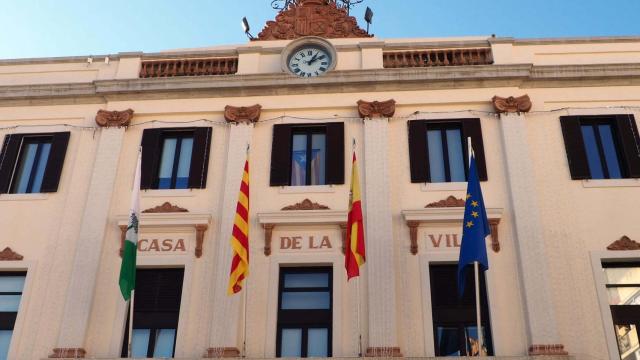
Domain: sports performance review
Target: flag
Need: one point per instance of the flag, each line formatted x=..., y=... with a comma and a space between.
x=127, y=279
x=475, y=228
x=355, y=253
x=240, y=237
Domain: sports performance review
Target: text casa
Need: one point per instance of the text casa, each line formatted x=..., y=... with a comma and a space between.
x=163, y=246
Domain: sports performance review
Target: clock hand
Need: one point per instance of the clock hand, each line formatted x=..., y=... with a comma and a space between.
x=313, y=59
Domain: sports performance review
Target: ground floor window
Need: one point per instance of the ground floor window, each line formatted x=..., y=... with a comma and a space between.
x=454, y=318
x=11, y=285
x=304, y=312
x=155, y=314
x=623, y=290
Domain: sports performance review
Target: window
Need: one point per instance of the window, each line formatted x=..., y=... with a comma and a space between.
x=304, y=312
x=602, y=147
x=307, y=155
x=11, y=285
x=156, y=311
x=175, y=158
x=438, y=150
x=623, y=290
x=32, y=163
x=454, y=319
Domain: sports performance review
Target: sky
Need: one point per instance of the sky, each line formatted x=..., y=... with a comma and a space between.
x=49, y=28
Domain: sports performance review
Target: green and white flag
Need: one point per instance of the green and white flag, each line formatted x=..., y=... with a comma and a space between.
x=128, y=269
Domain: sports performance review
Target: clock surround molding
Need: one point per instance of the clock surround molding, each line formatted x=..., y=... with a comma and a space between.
x=308, y=41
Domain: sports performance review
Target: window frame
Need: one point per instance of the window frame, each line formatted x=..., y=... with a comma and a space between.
x=308, y=131
x=179, y=135
x=622, y=314
x=442, y=127
x=594, y=123
x=317, y=318
x=40, y=140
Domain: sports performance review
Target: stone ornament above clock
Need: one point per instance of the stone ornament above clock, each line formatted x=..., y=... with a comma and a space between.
x=309, y=57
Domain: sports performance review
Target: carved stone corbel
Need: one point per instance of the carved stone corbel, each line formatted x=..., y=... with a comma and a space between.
x=512, y=104
x=343, y=231
x=242, y=115
x=9, y=255
x=222, y=352
x=624, y=243
x=413, y=235
x=547, y=350
x=268, y=234
x=495, y=242
x=376, y=109
x=105, y=118
x=200, y=229
x=123, y=235
x=68, y=353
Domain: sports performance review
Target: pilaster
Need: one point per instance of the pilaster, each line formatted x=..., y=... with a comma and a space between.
x=226, y=319
x=539, y=308
x=79, y=298
x=380, y=265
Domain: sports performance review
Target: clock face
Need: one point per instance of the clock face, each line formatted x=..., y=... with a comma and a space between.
x=309, y=61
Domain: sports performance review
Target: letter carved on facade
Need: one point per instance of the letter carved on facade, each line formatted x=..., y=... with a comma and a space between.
x=625, y=243
x=376, y=109
x=312, y=18
x=9, y=255
x=244, y=115
x=305, y=204
x=512, y=104
x=106, y=118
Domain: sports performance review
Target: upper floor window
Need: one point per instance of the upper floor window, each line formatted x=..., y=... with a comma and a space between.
x=11, y=285
x=307, y=155
x=623, y=290
x=602, y=147
x=438, y=150
x=175, y=158
x=32, y=163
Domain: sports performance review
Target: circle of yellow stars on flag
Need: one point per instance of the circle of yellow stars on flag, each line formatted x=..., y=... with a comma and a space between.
x=475, y=214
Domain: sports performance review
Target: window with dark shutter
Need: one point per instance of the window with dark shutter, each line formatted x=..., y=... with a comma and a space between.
x=11, y=286
x=307, y=155
x=601, y=147
x=32, y=163
x=175, y=158
x=156, y=313
x=438, y=150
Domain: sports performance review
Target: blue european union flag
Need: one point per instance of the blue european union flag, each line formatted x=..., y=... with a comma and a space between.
x=475, y=228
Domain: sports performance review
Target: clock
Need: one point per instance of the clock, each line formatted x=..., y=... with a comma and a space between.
x=309, y=57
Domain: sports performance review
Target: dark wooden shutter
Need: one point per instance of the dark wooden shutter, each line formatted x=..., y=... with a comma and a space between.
x=574, y=145
x=629, y=143
x=55, y=162
x=334, y=172
x=200, y=158
x=472, y=128
x=150, y=158
x=281, y=156
x=8, y=158
x=418, y=156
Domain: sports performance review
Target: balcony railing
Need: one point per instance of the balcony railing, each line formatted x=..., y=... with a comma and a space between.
x=433, y=57
x=188, y=67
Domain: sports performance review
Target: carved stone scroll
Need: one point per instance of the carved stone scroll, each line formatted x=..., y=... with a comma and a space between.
x=451, y=201
x=343, y=231
x=546, y=350
x=268, y=235
x=68, y=353
x=305, y=204
x=107, y=118
x=624, y=243
x=312, y=18
x=512, y=104
x=242, y=115
x=413, y=235
x=200, y=229
x=9, y=255
x=167, y=207
x=376, y=109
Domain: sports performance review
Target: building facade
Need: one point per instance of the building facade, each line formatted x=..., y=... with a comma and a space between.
x=552, y=123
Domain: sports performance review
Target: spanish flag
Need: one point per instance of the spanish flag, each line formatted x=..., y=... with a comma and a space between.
x=240, y=237
x=355, y=254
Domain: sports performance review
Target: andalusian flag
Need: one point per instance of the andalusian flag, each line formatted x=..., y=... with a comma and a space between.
x=240, y=237
x=128, y=268
x=355, y=254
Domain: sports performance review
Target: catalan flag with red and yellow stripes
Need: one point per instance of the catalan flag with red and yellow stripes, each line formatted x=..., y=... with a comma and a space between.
x=355, y=254
x=240, y=237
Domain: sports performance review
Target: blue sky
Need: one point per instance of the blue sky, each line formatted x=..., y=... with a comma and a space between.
x=42, y=28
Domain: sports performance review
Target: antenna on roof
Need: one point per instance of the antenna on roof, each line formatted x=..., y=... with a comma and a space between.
x=247, y=28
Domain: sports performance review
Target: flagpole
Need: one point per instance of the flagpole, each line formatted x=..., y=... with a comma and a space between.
x=357, y=288
x=129, y=351
x=476, y=272
x=246, y=291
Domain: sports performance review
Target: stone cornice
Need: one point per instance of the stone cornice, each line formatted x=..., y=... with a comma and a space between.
x=519, y=75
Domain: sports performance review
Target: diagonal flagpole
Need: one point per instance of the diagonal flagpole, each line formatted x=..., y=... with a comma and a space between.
x=476, y=272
